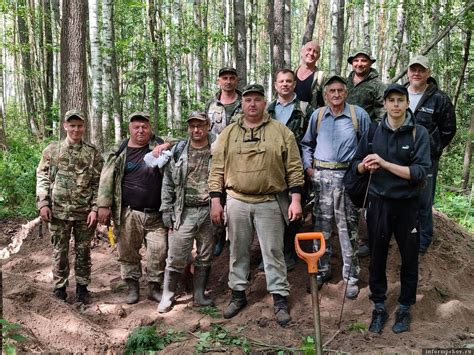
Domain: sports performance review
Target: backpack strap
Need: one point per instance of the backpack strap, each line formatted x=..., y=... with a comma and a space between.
x=122, y=146
x=303, y=107
x=320, y=117
x=355, y=122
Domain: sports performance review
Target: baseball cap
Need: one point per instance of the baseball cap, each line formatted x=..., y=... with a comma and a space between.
x=395, y=88
x=253, y=88
x=421, y=60
x=74, y=113
x=360, y=51
x=139, y=116
x=227, y=70
x=335, y=78
x=197, y=115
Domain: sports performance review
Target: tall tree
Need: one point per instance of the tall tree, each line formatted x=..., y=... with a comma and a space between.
x=310, y=21
x=278, y=37
x=397, y=41
x=73, y=56
x=96, y=76
x=3, y=139
x=155, y=60
x=48, y=59
x=366, y=24
x=337, y=15
x=240, y=45
x=287, y=35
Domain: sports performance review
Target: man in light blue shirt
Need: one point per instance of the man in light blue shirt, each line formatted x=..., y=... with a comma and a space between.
x=328, y=146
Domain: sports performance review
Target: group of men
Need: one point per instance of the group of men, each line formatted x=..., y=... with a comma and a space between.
x=240, y=172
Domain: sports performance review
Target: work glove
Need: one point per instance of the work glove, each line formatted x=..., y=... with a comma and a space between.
x=168, y=219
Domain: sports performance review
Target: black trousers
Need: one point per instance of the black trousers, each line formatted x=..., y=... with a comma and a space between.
x=384, y=218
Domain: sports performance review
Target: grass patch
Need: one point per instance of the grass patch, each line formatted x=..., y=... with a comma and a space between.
x=149, y=339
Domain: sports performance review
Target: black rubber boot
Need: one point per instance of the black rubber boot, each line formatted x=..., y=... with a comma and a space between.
x=237, y=302
x=280, y=307
x=201, y=275
x=169, y=290
x=154, y=291
x=379, y=317
x=82, y=294
x=60, y=293
x=133, y=291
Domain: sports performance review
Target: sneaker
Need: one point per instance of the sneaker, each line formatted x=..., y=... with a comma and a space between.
x=237, y=302
x=352, y=291
x=280, y=307
x=363, y=250
x=379, y=317
x=402, y=322
x=60, y=293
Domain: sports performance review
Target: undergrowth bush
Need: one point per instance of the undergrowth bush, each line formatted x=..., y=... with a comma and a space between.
x=18, y=175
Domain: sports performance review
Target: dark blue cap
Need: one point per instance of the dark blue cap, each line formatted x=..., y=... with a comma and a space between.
x=395, y=88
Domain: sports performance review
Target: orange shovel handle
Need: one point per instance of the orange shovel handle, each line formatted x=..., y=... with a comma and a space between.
x=310, y=258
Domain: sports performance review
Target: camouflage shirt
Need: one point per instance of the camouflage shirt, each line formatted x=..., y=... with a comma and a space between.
x=197, y=191
x=67, y=179
x=367, y=94
x=220, y=115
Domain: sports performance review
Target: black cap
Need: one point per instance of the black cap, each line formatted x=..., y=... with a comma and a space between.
x=395, y=88
x=335, y=78
x=253, y=88
x=227, y=70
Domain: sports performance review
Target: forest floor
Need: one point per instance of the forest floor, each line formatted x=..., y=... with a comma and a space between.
x=442, y=318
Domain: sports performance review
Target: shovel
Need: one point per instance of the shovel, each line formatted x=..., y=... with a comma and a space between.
x=312, y=261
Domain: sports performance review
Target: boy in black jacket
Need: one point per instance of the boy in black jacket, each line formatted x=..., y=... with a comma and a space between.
x=398, y=163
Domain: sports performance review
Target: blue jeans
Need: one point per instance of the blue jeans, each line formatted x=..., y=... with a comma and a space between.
x=426, y=205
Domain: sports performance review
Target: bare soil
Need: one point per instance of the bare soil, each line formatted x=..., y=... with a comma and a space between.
x=442, y=318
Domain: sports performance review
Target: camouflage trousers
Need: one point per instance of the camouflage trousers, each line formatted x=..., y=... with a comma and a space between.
x=139, y=228
x=61, y=231
x=333, y=204
x=196, y=225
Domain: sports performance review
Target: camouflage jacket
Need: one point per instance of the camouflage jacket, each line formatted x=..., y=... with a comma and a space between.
x=216, y=112
x=174, y=181
x=367, y=94
x=67, y=179
x=110, y=187
x=299, y=118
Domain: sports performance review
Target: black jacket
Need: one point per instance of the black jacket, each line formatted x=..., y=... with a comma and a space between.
x=397, y=147
x=435, y=111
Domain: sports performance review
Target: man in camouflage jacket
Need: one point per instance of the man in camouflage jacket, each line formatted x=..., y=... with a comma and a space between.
x=130, y=192
x=67, y=179
x=185, y=207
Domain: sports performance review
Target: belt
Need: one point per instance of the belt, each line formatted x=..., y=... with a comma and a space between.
x=144, y=209
x=329, y=165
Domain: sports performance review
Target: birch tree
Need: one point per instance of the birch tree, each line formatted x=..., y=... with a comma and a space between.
x=337, y=15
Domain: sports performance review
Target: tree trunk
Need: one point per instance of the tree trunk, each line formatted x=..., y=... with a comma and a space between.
x=287, y=35
x=366, y=24
x=3, y=139
x=337, y=11
x=48, y=77
x=397, y=41
x=155, y=62
x=271, y=41
x=96, y=77
x=467, y=44
x=28, y=90
x=310, y=21
x=175, y=18
x=199, y=50
x=466, y=171
x=240, y=35
x=107, y=71
x=73, y=56
x=278, y=38
x=116, y=105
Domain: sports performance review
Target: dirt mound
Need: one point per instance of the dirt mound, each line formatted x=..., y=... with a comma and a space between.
x=443, y=316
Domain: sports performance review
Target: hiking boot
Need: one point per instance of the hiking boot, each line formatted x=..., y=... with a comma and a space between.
x=133, y=291
x=402, y=322
x=201, y=275
x=169, y=290
x=352, y=291
x=154, y=291
x=82, y=294
x=280, y=307
x=379, y=317
x=60, y=293
x=237, y=302
x=363, y=250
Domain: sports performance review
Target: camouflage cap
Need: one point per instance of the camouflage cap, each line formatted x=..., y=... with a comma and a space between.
x=74, y=113
x=333, y=78
x=356, y=52
x=139, y=116
x=197, y=115
x=421, y=60
x=253, y=88
x=227, y=70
